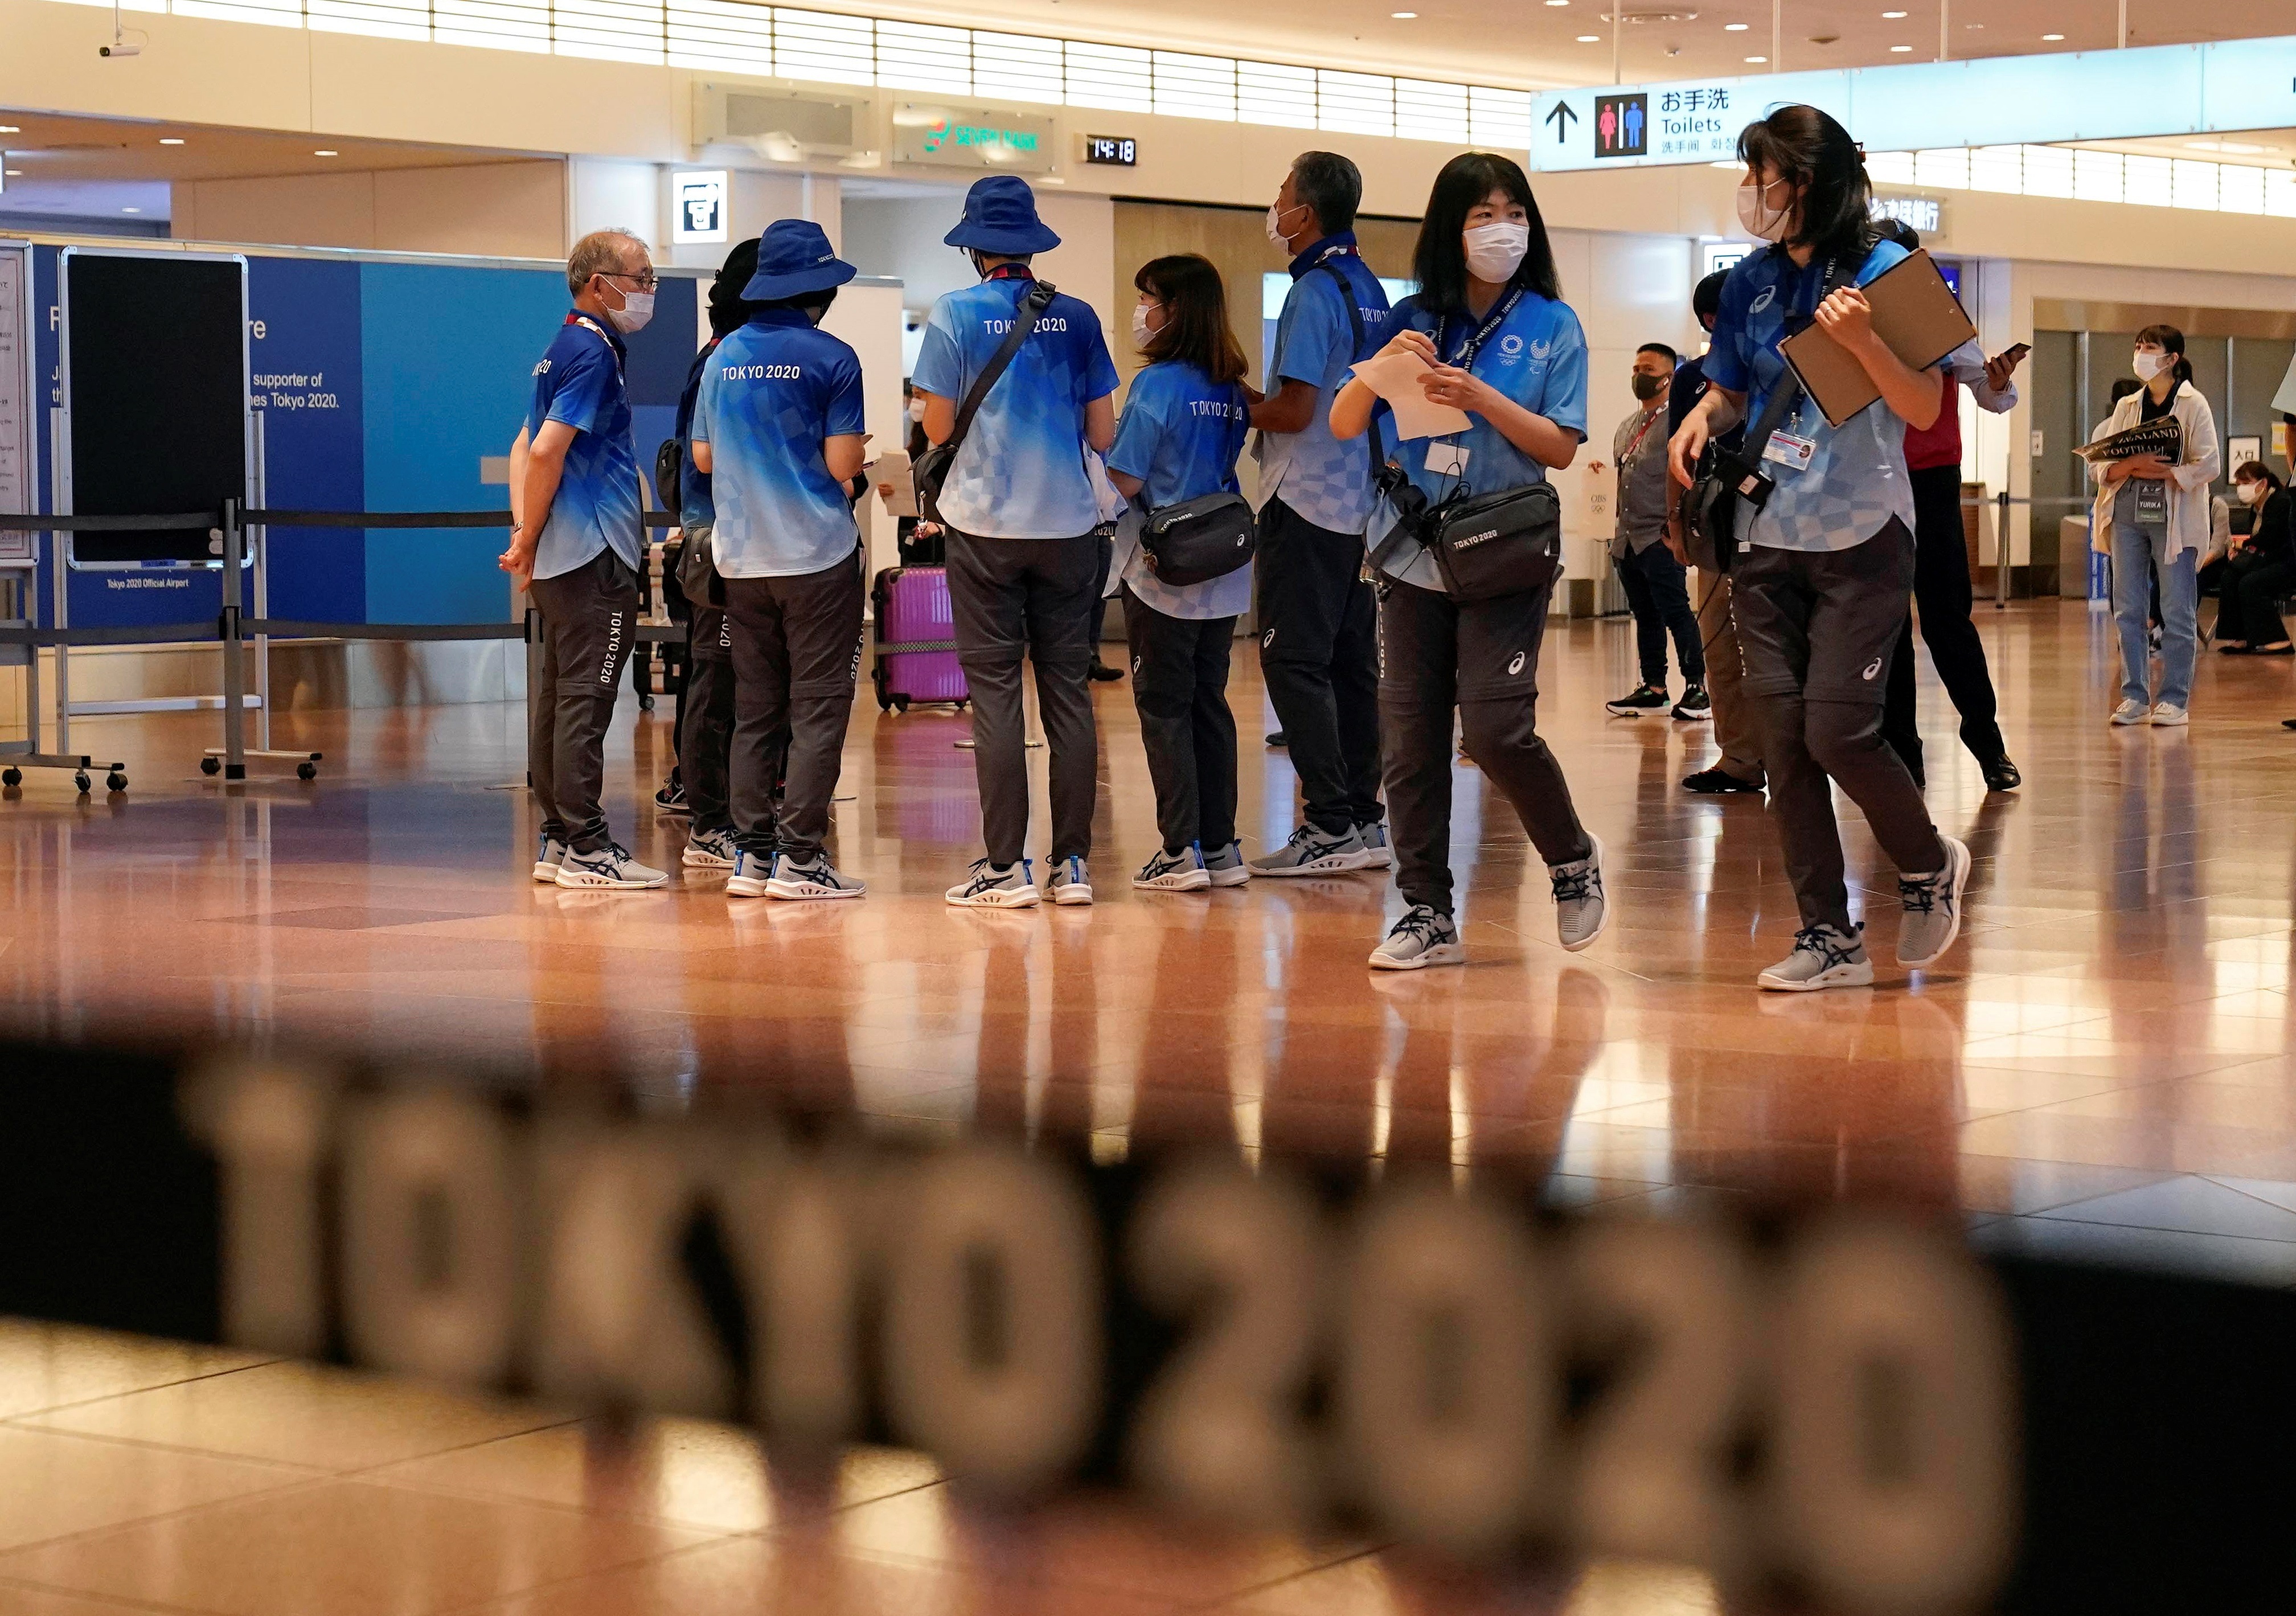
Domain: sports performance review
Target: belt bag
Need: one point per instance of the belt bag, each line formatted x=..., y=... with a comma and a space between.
x=1496, y=544
x=1198, y=540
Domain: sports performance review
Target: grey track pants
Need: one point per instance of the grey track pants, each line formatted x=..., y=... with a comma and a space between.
x=589, y=618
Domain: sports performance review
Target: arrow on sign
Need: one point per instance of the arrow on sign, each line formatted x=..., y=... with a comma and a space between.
x=1561, y=117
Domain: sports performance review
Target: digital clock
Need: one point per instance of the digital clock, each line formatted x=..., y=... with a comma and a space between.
x=1120, y=149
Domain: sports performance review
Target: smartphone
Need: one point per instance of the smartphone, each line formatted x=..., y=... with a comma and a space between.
x=2015, y=357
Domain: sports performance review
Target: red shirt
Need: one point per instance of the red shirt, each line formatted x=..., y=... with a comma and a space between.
x=1940, y=443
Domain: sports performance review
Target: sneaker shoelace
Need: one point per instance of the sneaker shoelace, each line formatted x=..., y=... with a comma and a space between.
x=1920, y=894
x=1818, y=940
x=1570, y=886
x=1424, y=925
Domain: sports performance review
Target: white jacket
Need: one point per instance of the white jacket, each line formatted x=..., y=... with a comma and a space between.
x=2188, y=483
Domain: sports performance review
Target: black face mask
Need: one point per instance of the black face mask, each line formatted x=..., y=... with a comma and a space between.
x=1647, y=387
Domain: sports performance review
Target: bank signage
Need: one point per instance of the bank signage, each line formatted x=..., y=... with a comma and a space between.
x=973, y=137
x=2171, y=89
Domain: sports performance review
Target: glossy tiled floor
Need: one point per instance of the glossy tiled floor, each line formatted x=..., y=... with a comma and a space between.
x=2099, y=1071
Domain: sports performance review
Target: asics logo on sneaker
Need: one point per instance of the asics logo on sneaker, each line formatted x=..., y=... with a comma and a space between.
x=1515, y=666
x=1267, y=639
x=1873, y=668
x=1136, y=665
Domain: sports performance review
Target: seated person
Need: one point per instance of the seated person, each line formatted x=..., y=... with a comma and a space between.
x=2260, y=570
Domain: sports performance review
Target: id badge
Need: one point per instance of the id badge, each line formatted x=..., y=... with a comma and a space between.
x=1446, y=460
x=1790, y=451
x=2151, y=502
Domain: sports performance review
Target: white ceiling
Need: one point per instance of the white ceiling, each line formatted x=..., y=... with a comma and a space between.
x=1535, y=42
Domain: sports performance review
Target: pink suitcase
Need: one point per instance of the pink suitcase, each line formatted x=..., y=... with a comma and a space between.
x=916, y=639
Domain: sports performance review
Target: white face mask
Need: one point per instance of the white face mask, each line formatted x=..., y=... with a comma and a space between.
x=2148, y=365
x=1140, y=332
x=916, y=409
x=1495, y=251
x=636, y=309
x=1276, y=219
x=1762, y=221
x=2249, y=492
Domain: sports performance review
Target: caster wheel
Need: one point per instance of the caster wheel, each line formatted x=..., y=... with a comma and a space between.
x=645, y=704
x=11, y=777
x=306, y=771
x=962, y=703
x=115, y=782
x=900, y=704
x=211, y=766
x=83, y=783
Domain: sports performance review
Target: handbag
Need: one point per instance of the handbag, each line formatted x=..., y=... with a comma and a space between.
x=1198, y=540
x=1490, y=545
x=932, y=468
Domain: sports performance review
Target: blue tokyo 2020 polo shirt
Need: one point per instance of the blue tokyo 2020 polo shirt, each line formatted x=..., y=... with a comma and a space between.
x=1321, y=478
x=1019, y=473
x=599, y=502
x=1536, y=356
x=1856, y=478
x=771, y=394
x=1180, y=436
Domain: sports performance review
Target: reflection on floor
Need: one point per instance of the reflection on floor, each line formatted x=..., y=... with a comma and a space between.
x=2100, y=1069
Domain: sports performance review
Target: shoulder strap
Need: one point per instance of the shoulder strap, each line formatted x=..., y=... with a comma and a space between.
x=1024, y=320
x=1356, y=333
x=1789, y=391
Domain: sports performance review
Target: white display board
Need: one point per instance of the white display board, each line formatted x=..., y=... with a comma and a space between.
x=16, y=468
x=867, y=316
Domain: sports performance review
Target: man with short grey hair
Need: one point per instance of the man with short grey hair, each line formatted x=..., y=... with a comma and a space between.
x=577, y=505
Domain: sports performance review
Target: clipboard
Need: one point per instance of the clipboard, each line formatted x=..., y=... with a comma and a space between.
x=1914, y=312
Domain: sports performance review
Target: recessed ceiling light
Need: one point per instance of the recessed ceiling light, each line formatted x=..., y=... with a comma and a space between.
x=1590, y=38
x=14, y=173
x=131, y=210
x=1893, y=16
x=1753, y=61
x=1901, y=47
x=9, y=129
x=1558, y=2
x=326, y=153
x=2052, y=38
x=1734, y=28
x=169, y=140
x=1403, y=16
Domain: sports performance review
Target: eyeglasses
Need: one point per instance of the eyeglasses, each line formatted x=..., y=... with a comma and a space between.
x=646, y=282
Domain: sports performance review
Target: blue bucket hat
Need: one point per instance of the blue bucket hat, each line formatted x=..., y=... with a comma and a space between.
x=794, y=257
x=1000, y=216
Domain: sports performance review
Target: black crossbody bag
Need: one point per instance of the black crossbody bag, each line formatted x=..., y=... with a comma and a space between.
x=932, y=467
x=1200, y=540
x=1709, y=510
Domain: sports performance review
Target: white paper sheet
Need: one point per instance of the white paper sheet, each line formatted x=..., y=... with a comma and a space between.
x=1395, y=377
x=2285, y=400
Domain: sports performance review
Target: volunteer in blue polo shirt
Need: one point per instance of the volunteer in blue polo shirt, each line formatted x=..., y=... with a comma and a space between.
x=1825, y=560
x=1316, y=613
x=1023, y=557
x=778, y=427
x=577, y=504
x=1490, y=321
x=1182, y=428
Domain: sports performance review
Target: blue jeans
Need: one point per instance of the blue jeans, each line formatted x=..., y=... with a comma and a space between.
x=2134, y=556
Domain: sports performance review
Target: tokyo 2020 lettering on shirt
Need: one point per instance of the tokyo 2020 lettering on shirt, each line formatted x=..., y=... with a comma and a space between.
x=1019, y=473
x=772, y=392
x=1856, y=478
x=1321, y=478
x=1536, y=356
x=1180, y=436
x=599, y=502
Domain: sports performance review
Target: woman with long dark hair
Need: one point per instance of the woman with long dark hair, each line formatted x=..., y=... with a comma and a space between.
x=1183, y=425
x=2152, y=513
x=1826, y=560
x=1490, y=324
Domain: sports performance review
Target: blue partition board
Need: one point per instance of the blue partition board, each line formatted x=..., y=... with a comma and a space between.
x=305, y=364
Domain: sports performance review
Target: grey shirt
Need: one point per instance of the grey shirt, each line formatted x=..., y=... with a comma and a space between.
x=1638, y=449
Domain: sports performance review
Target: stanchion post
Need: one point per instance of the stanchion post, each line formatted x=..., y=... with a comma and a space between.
x=2001, y=554
x=235, y=662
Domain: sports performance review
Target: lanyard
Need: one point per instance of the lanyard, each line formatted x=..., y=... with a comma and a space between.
x=1627, y=459
x=588, y=324
x=1491, y=322
x=1011, y=272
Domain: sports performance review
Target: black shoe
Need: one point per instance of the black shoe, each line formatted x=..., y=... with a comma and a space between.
x=1277, y=741
x=1101, y=673
x=2000, y=773
x=1645, y=699
x=670, y=802
x=1694, y=704
x=1719, y=782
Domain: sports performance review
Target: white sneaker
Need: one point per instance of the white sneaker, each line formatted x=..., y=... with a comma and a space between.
x=547, y=856
x=1581, y=908
x=2170, y=713
x=794, y=880
x=989, y=887
x=1822, y=958
x=611, y=868
x=708, y=850
x=1313, y=852
x=2131, y=711
x=1227, y=866
x=1421, y=939
x=1170, y=871
x=1070, y=886
x=1377, y=856
x=751, y=871
x=1932, y=905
